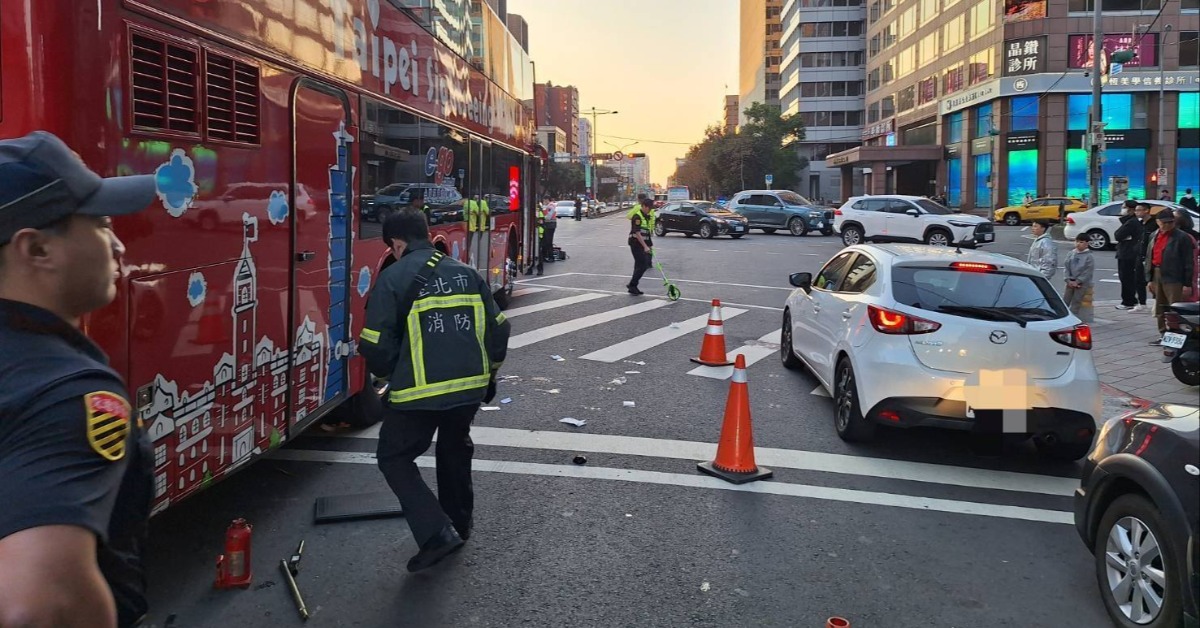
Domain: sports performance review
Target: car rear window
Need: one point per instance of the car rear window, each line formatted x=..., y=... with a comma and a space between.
x=932, y=288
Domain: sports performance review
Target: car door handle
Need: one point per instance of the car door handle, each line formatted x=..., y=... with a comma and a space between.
x=305, y=256
x=816, y=308
x=847, y=314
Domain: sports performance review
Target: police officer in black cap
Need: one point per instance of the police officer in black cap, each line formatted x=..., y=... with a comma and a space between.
x=75, y=470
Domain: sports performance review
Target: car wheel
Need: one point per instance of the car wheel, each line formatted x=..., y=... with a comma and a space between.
x=848, y=419
x=790, y=361
x=1137, y=570
x=797, y=227
x=851, y=235
x=1012, y=219
x=769, y=230
x=1068, y=452
x=706, y=231
x=365, y=408
x=737, y=236
x=659, y=229
x=937, y=237
x=1097, y=240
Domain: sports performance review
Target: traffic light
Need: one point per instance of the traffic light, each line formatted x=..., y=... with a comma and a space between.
x=1154, y=178
x=635, y=155
x=1122, y=56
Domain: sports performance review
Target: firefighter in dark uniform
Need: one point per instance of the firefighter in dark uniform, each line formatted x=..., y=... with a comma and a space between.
x=75, y=469
x=435, y=333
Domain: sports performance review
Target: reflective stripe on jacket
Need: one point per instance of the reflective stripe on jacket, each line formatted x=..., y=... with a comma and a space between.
x=443, y=354
x=478, y=215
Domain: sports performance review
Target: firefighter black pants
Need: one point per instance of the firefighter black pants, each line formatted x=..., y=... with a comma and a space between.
x=404, y=437
x=1132, y=276
x=641, y=263
x=548, y=241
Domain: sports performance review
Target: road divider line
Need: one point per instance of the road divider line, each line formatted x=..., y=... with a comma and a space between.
x=767, y=456
x=755, y=351
x=520, y=292
x=700, y=481
x=651, y=296
x=566, y=327
x=550, y=305
x=652, y=339
x=707, y=283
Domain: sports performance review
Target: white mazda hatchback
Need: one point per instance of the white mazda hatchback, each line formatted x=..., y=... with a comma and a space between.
x=910, y=335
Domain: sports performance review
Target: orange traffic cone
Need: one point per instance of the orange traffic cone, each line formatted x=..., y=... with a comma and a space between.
x=837, y=622
x=712, y=350
x=735, y=451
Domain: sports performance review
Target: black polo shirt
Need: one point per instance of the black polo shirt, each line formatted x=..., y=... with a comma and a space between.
x=71, y=450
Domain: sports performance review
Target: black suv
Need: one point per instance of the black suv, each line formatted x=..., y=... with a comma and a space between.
x=1136, y=509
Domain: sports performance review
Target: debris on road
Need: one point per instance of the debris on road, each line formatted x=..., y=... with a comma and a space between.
x=704, y=586
x=508, y=378
x=489, y=408
x=552, y=391
x=637, y=362
x=558, y=358
x=629, y=404
x=573, y=421
x=506, y=400
x=579, y=459
x=633, y=372
x=620, y=380
x=541, y=379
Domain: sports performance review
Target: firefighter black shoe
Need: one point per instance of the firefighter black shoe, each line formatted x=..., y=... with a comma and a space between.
x=440, y=546
x=464, y=532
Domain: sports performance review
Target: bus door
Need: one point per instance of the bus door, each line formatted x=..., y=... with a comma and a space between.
x=477, y=170
x=322, y=167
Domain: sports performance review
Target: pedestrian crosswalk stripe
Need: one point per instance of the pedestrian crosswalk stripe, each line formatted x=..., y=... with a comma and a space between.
x=652, y=339
x=520, y=292
x=753, y=353
x=550, y=305
x=566, y=327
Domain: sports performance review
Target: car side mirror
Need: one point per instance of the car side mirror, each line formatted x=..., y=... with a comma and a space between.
x=912, y=212
x=801, y=280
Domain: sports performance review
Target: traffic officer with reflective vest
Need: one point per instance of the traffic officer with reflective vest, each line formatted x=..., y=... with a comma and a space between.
x=435, y=333
x=479, y=218
x=75, y=463
x=643, y=210
x=641, y=225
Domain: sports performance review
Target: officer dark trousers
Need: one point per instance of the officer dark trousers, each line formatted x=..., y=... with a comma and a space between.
x=548, y=242
x=1133, y=291
x=641, y=263
x=405, y=436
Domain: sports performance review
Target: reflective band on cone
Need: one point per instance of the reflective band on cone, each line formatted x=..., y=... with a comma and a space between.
x=712, y=349
x=735, y=451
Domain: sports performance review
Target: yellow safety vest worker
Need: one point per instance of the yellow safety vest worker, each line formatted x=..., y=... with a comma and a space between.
x=648, y=218
x=478, y=215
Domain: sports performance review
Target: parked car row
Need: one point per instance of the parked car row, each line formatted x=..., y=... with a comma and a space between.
x=902, y=336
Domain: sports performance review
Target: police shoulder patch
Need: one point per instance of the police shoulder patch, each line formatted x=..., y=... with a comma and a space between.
x=108, y=418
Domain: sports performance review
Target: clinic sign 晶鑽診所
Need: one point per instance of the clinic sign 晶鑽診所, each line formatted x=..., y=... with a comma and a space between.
x=1024, y=56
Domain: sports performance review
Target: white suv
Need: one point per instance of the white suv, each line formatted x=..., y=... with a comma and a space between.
x=898, y=218
x=910, y=336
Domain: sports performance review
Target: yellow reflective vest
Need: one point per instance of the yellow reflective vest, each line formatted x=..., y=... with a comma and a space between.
x=648, y=218
x=478, y=215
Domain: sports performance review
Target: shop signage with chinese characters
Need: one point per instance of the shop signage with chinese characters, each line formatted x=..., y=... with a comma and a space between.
x=977, y=96
x=1130, y=138
x=1024, y=56
x=1021, y=140
x=879, y=129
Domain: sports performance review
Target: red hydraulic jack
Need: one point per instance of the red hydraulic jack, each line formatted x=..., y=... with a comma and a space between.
x=233, y=567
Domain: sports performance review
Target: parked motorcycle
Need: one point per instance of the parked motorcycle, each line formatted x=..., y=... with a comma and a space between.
x=1181, y=343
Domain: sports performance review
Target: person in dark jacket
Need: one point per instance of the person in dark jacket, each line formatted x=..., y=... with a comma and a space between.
x=578, y=208
x=1189, y=201
x=1170, y=265
x=1130, y=247
x=434, y=331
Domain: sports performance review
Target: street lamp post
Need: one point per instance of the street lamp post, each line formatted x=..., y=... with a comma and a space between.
x=1096, y=119
x=1162, y=141
x=596, y=112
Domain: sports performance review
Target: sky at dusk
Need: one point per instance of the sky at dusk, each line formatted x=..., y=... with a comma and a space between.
x=665, y=65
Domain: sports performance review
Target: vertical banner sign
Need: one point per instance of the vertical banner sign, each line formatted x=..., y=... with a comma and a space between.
x=514, y=188
x=587, y=176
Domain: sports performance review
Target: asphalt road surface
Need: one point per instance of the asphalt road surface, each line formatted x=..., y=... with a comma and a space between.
x=915, y=529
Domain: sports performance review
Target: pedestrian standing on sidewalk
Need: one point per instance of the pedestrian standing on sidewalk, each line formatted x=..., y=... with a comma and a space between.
x=1189, y=201
x=1165, y=195
x=1130, y=247
x=1170, y=265
x=434, y=331
x=75, y=461
x=1080, y=269
x=1043, y=253
x=641, y=225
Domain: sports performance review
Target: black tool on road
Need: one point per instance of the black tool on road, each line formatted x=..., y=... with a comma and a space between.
x=336, y=508
x=291, y=568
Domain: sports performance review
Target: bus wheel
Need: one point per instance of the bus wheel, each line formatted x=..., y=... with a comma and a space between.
x=363, y=409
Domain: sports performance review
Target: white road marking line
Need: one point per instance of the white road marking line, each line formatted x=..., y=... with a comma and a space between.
x=693, y=300
x=1110, y=281
x=566, y=327
x=753, y=352
x=520, y=292
x=707, y=283
x=701, y=481
x=767, y=456
x=652, y=339
x=550, y=305
x=821, y=392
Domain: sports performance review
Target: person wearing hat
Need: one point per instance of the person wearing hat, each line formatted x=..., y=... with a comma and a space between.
x=1080, y=269
x=75, y=461
x=1170, y=266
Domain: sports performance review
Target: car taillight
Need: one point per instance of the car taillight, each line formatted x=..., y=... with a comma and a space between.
x=1079, y=337
x=890, y=322
x=1070, y=220
x=976, y=267
x=837, y=212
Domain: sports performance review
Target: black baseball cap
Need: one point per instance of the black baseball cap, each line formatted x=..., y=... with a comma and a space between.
x=1165, y=215
x=43, y=181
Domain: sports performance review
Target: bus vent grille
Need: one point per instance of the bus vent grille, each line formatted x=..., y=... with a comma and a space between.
x=231, y=99
x=165, y=89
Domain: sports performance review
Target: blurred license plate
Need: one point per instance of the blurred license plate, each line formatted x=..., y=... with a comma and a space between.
x=987, y=237
x=736, y=227
x=1173, y=340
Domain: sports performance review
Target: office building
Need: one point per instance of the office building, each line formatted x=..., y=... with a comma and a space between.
x=985, y=101
x=559, y=106
x=519, y=29
x=731, y=114
x=823, y=67
x=760, y=54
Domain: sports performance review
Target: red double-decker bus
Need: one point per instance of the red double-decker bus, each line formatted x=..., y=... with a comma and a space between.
x=266, y=124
